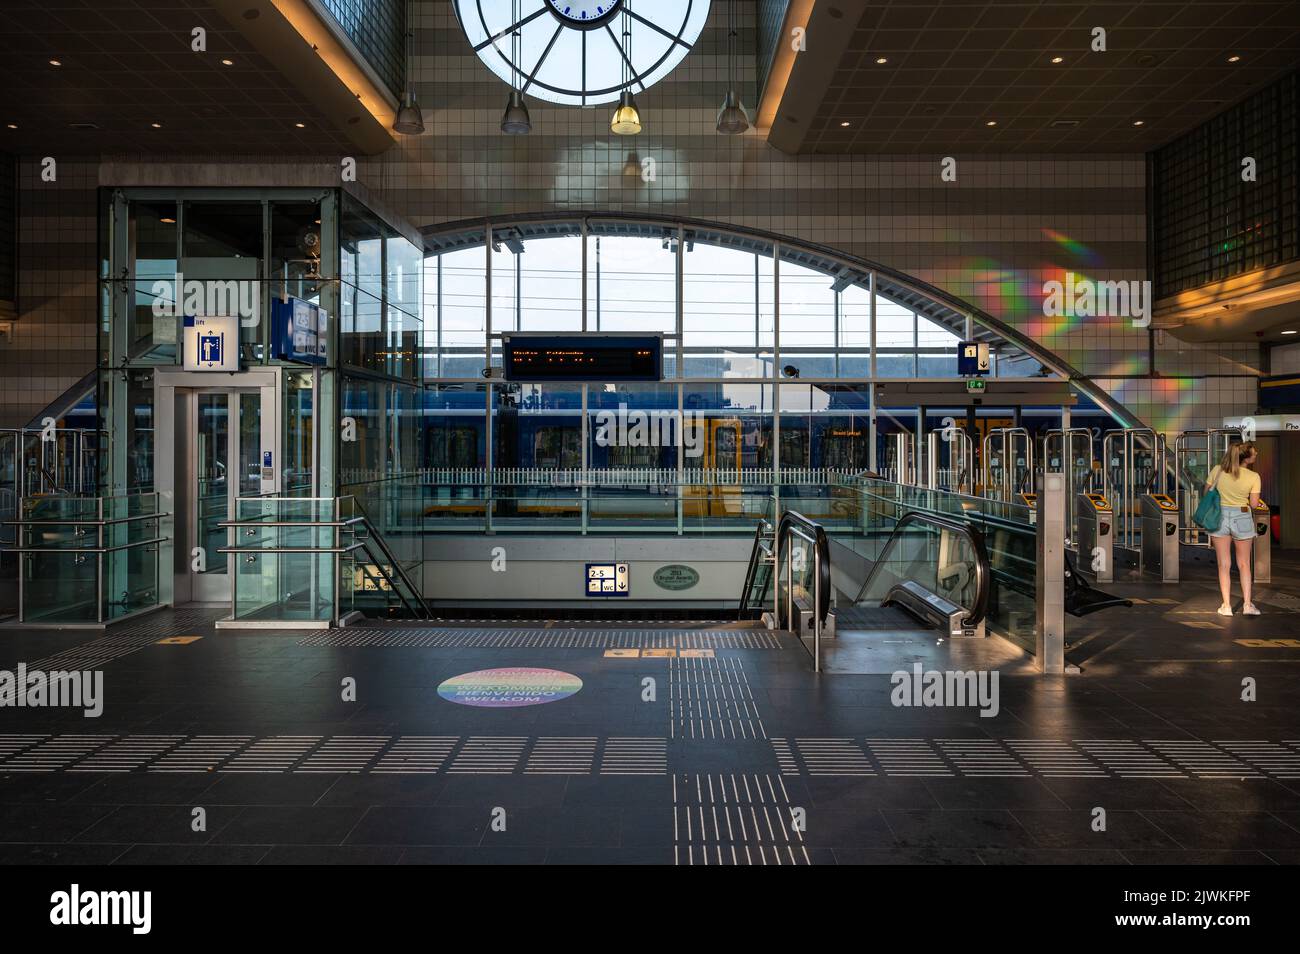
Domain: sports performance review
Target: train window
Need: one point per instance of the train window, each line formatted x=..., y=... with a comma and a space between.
x=623, y=456
x=844, y=450
x=557, y=447
x=725, y=444
x=454, y=447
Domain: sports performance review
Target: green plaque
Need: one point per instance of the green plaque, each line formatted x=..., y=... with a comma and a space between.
x=676, y=576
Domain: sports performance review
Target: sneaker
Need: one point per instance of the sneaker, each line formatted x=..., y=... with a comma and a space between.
x=1225, y=610
x=1249, y=610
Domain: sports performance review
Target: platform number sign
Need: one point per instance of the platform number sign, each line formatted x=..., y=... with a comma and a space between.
x=973, y=357
x=607, y=579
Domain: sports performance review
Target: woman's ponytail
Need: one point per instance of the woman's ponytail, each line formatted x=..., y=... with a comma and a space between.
x=1231, y=463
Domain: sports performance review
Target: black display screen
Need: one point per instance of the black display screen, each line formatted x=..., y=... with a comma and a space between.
x=595, y=358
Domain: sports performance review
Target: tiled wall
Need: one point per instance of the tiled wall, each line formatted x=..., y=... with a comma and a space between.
x=992, y=237
x=53, y=341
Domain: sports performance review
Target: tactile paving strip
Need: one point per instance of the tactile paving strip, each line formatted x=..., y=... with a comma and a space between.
x=426, y=638
x=735, y=819
x=711, y=699
x=646, y=755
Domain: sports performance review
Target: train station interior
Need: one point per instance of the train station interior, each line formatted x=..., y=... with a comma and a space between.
x=748, y=432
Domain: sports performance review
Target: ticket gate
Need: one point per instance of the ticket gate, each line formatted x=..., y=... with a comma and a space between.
x=1008, y=463
x=950, y=460
x=900, y=458
x=1262, y=549
x=1096, y=536
x=1160, y=536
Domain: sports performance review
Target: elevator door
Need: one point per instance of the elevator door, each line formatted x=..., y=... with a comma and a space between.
x=221, y=434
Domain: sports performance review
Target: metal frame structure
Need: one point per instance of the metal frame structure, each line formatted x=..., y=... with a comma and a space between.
x=372, y=545
x=78, y=527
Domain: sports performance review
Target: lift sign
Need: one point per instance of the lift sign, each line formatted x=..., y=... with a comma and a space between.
x=210, y=343
x=607, y=579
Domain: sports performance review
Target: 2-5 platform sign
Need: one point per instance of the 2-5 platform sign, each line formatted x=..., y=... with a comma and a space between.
x=607, y=580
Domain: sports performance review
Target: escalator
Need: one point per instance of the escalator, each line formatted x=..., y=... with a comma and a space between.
x=931, y=573
x=941, y=575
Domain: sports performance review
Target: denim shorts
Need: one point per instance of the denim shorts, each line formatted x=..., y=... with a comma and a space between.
x=1238, y=525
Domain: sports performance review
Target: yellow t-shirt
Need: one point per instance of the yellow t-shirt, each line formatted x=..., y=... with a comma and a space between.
x=1235, y=491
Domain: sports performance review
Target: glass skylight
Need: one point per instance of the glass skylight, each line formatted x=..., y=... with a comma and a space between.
x=572, y=51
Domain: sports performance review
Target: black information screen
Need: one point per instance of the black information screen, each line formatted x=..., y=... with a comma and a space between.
x=583, y=357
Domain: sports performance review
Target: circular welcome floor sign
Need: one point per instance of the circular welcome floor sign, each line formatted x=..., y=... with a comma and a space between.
x=509, y=688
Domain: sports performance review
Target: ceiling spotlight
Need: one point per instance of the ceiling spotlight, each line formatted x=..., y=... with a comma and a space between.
x=732, y=119
x=167, y=220
x=1058, y=59
x=156, y=125
x=991, y=122
x=1139, y=122
x=516, y=121
x=409, y=120
x=845, y=123
x=55, y=63
x=627, y=120
x=790, y=371
x=301, y=125
x=881, y=60
x=227, y=62
x=1234, y=58
x=12, y=125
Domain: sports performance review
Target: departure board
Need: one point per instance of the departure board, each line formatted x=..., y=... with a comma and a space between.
x=590, y=357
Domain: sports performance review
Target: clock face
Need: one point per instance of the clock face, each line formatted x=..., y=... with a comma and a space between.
x=581, y=52
x=584, y=14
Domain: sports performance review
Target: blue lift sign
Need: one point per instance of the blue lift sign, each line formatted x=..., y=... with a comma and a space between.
x=607, y=579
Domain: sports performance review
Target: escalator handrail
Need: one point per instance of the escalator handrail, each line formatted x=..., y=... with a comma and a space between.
x=811, y=529
x=983, y=572
x=752, y=570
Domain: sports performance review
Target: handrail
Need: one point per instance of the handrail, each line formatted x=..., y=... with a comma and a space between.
x=422, y=612
x=76, y=522
x=792, y=521
x=752, y=570
x=120, y=546
x=378, y=539
x=973, y=534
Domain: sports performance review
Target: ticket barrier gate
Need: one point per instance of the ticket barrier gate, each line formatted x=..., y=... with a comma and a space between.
x=1262, y=549
x=1096, y=536
x=1160, y=536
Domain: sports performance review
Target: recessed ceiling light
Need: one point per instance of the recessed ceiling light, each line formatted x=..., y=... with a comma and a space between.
x=156, y=125
x=881, y=60
x=844, y=124
x=1139, y=122
x=1291, y=332
x=12, y=125
x=55, y=63
x=1234, y=58
x=1058, y=59
x=227, y=62
x=167, y=220
x=991, y=122
x=301, y=125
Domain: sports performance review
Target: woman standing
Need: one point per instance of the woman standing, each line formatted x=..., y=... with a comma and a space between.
x=1238, y=488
